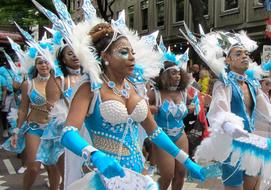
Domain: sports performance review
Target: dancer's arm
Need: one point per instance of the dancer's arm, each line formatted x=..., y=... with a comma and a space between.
x=158, y=137
x=53, y=92
x=22, y=113
x=220, y=116
x=24, y=106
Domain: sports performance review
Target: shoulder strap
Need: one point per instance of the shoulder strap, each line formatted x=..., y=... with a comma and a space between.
x=158, y=99
x=94, y=100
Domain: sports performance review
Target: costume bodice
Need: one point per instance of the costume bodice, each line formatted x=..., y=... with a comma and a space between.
x=34, y=95
x=170, y=115
x=114, y=131
x=237, y=101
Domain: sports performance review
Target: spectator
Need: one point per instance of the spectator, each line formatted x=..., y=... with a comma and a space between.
x=195, y=71
x=8, y=101
x=204, y=79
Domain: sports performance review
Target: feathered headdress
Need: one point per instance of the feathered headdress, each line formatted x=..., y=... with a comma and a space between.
x=77, y=36
x=180, y=60
x=146, y=56
x=213, y=46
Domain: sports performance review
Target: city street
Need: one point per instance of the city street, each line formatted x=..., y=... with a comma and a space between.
x=10, y=180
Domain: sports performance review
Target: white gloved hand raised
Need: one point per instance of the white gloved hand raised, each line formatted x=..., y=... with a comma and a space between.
x=233, y=130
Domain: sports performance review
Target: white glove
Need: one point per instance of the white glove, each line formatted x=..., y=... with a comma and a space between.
x=233, y=130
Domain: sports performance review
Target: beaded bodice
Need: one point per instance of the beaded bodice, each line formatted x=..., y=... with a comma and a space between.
x=115, y=132
x=115, y=112
x=170, y=115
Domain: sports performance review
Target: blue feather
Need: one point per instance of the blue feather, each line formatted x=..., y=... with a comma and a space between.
x=171, y=57
x=250, y=74
x=32, y=52
x=57, y=38
x=267, y=66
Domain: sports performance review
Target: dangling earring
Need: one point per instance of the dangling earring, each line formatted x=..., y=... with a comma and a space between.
x=106, y=63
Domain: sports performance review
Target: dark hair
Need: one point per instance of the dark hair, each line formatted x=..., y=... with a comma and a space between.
x=162, y=79
x=101, y=36
x=62, y=66
x=33, y=71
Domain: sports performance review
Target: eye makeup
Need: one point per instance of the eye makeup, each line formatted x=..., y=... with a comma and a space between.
x=123, y=52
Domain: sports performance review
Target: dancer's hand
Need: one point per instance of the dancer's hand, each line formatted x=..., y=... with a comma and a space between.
x=234, y=131
x=108, y=166
x=13, y=140
x=195, y=169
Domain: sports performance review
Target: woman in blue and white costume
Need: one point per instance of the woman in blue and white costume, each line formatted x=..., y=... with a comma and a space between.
x=168, y=104
x=59, y=92
x=32, y=119
x=112, y=111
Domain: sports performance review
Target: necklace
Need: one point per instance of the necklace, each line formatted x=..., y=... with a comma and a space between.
x=112, y=85
x=41, y=78
x=237, y=76
x=172, y=88
x=74, y=71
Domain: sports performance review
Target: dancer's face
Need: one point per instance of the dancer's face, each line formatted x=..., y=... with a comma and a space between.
x=121, y=57
x=43, y=67
x=70, y=59
x=238, y=60
x=174, y=77
x=266, y=86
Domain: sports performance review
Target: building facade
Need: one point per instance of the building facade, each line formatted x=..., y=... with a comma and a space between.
x=168, y=16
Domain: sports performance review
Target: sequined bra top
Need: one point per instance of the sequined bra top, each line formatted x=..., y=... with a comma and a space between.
x=35, y=97
x=116, y=112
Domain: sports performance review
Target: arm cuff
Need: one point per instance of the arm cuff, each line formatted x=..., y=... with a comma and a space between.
x=87, y=151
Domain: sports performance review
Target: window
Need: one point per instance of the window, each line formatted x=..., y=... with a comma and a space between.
x=179, y=10
x=230, y=4
x=160, y=8
x=78, y=4
x=131, y=11
x=205, y=4
x=144, y=14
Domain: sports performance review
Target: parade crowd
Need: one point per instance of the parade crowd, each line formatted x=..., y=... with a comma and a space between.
x=98, y=105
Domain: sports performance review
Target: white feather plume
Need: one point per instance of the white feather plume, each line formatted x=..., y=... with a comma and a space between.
x=59, y=112
x=213, y=53
x=81, y=44
x=249, y=44
x=13, y=114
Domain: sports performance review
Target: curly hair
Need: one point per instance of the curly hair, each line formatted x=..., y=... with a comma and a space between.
x=101, y=36
x=162, y=81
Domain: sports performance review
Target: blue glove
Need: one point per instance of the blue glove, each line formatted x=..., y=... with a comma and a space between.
x=195, y=169
x=159, y=138
x=72, y=140
x=108, y=166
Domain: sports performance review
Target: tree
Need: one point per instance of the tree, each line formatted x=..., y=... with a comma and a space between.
x=23, y=12
x=103, y=6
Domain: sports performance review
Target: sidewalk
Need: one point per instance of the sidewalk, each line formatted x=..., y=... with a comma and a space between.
x=213, y=184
